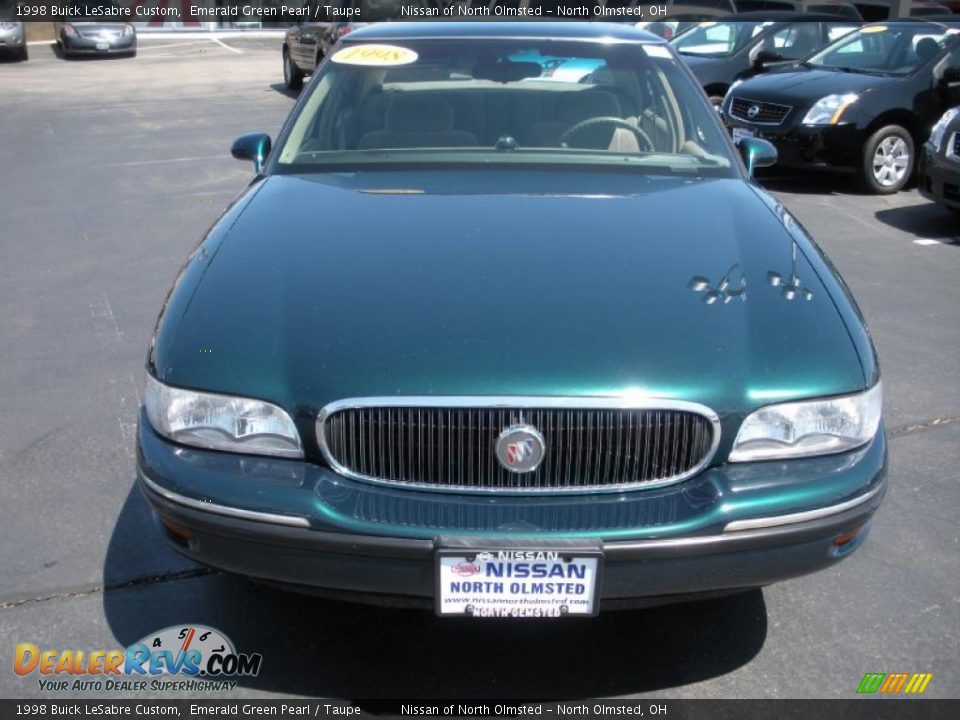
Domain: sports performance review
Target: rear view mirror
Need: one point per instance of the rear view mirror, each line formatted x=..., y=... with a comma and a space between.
x=507, y=71
x=255, y=146
x=756, y=153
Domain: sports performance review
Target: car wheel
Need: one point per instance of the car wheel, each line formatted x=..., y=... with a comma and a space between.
x=888, y=160
x=292, y=75
x=24, y=54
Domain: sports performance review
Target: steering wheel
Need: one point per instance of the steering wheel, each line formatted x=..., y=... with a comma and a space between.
x=616, y=122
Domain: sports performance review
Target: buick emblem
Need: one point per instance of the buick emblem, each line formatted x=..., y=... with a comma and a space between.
x=753, y=111
x=520, y=448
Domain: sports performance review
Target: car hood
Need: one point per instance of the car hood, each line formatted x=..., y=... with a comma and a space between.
x=333, y=286
x=803, y=86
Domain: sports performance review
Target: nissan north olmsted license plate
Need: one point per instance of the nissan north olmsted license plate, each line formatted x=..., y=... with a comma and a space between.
x=518, y=583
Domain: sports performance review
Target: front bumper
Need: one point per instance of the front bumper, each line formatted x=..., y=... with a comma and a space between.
x=823, y=147
x=13, y=40
x=732, y=527
x=940, y=178
x=78, y=45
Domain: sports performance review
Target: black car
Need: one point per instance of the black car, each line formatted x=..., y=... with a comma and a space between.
x=308, y=43
x=305, y=46
x=864, y=103
x=720, y=53
x=940, y=162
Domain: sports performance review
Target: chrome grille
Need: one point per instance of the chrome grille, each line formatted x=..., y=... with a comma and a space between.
x=767, y=113
x=99, y=34
x=591, y=444
x=956, y=145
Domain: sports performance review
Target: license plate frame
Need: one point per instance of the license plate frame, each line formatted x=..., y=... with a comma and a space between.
x=103, y=46
x=739, y=133
x=591, y=558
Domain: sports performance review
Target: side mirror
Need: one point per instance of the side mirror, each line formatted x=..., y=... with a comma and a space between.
x=765, y=57
x=951, y=75
x=255, y=146
x=756, y=153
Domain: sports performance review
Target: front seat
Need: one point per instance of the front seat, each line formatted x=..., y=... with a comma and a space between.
x=418, y=120
x=927, y=48
x=573, y=107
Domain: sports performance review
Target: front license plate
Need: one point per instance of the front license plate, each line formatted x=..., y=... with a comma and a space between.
x=103, y=46
x=518, y=583
x=739, y=132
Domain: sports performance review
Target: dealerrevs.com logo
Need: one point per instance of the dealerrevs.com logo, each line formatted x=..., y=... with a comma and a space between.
x=182, y=657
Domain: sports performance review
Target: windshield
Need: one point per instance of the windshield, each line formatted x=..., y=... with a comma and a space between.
x=508, y=101
x=717, y=39
x=894, y=49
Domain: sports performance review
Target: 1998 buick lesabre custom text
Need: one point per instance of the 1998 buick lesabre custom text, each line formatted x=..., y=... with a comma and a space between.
x=508, y=344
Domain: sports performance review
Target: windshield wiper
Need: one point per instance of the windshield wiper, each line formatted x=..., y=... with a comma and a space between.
x=861, y=71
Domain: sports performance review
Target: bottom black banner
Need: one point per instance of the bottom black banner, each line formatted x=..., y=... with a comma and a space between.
x=867, y=709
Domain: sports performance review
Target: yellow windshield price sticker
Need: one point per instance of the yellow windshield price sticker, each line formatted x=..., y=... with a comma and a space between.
x=873, y=29
x=375, y=55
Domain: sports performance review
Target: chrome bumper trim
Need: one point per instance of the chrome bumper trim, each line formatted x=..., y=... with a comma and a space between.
x=778, y=520
x=289, y=520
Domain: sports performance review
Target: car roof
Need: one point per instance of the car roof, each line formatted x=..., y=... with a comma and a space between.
x=788, y=16
x=528, y=30
x=944, y=19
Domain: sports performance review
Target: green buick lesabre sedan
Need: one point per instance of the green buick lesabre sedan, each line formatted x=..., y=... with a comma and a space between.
x=499, y=340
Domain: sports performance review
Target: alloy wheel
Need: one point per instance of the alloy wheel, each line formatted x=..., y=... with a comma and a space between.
x=891, y=161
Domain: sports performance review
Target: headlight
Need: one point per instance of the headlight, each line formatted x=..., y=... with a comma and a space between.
x=8, y=26
x=810, y=427
x=69, y=30
x=128, y=29
x=936, y=135
x=220, y=422
x=827, y=110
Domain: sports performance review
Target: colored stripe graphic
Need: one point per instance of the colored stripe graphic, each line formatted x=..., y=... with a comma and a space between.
x=871, y=682
x=893, y=683
x=918, y=683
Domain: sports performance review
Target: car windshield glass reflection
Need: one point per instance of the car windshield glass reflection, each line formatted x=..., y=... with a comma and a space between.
x=506, y=101
x=718, y=39
x=895, y=49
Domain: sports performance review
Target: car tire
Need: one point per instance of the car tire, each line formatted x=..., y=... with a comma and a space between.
x=292, y=75
x=888, y=160
x=24, y=54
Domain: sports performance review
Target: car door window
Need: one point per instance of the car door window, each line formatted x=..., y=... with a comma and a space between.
x=838, y=30
x=794, y=41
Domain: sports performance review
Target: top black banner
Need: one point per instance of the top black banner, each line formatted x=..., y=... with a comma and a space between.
x=267, y=13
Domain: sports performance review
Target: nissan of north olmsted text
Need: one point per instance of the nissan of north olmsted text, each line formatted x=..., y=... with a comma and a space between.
x=501, y=341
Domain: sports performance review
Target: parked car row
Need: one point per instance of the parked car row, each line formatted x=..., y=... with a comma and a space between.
x=76, y=35
x=865, y=103
x=828, y=91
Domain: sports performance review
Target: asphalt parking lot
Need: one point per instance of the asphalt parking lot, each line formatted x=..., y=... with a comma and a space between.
x=111, y=171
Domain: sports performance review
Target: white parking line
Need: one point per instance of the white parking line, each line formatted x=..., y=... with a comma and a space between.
x=146, y=46
x=935, y=241
x=168, y=160
x=218, y=41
